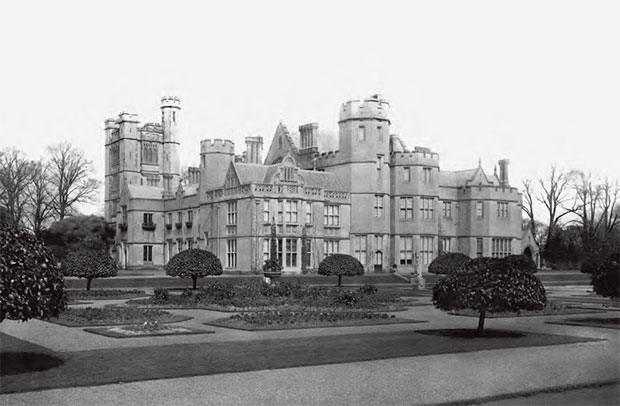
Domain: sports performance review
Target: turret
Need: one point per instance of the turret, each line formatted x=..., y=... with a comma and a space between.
x=171, y=167
x=215, y=158
x=254, y=146
x=365, y=128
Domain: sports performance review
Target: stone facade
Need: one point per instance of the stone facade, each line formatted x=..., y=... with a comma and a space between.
x=373, y=198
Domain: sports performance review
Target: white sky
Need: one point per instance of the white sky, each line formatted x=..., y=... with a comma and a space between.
x=537, y=82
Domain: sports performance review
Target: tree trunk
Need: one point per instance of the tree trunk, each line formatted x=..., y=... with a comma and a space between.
x=339, y=280
x=88, y=282
x=480, y=322
x=194, y=278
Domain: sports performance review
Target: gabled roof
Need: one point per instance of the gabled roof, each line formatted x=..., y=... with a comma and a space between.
x=282, y=144
x=467, y=177
x=250, y=173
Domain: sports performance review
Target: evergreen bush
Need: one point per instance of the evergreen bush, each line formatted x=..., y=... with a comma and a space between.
x=340, y=265
x=194, y=264
x=447, y=262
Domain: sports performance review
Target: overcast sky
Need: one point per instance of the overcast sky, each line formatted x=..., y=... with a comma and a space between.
x=533, y=81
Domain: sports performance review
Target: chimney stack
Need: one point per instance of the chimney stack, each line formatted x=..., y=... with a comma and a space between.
x=503, y=172
x=308, y=135
x=254, y=146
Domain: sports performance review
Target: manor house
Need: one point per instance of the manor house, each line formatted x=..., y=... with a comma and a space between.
x=389, y=206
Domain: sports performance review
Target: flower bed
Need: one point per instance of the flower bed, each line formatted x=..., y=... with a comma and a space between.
x=107, y=316
x=255, y=295
x=290, y=319
x=102, y=294
x=146, y=329
x=551, y=309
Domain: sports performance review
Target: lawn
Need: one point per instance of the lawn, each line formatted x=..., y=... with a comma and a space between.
x=610, y=322
x=98, y=367
x=107, y=316
x=552, y=309
x=105, y=294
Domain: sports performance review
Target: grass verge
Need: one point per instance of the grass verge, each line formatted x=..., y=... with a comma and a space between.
x=613, y=322
x=99, y=367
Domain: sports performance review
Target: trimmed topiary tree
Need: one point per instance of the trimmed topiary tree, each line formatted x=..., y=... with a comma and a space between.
x=489, y=285
x=448, y=262
x=32, y=284
x=194, y=263
x=340, y=265
x=89, y=263
x=606, y=279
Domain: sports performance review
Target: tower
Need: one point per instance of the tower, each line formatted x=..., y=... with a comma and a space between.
x=171, y=168
x=215, y=158
x=364, y=139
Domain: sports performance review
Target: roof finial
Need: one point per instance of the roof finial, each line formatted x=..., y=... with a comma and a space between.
x=479, y=162
x=495, y=170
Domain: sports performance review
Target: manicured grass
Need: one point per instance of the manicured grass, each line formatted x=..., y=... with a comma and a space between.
x=287, y=320
x=108, y=316
x=105, y=294
x=552, y=309
x=612, y=322
x=19, y=356
x=98, y=367
x=135, y=331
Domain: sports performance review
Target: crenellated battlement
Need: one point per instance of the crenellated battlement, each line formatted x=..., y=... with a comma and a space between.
x=170, y=101
x=327, y=158
x=374, y=107
x=152, y=128
x=419, y=156
x=217, y=145
x=127, y=118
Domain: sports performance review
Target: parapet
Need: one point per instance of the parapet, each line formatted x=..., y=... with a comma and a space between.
x=419, y=156
x=128, y=118
x=170, y=101
x=111, y=123
x=217, y=145
x=373, y=107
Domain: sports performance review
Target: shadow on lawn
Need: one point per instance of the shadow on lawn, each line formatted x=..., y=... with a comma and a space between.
x=471, y=333
x=12, y=363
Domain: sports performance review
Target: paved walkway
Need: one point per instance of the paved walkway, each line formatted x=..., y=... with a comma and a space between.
x=401, y=381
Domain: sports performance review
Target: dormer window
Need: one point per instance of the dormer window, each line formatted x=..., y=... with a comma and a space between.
x=288, y=171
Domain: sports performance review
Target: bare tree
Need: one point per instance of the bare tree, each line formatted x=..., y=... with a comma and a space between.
x=587, y=208
x=39, y=198
x=70, y=179
x=528, y=207
x=15, y=173
x=555, y=192
x=610, y=192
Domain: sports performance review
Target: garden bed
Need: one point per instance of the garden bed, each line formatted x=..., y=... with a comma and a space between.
x=145, y=330
x=105, y=294
x=255, y=295
x=612, y=322
x=287, y=319
x=552, y=309
x=109, y=316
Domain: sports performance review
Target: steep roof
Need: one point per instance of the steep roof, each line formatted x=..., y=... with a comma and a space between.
x=250, y=173
x=325, y=180
x=144, y=192
x=282, y=144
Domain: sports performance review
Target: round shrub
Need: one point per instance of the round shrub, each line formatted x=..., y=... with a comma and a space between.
x=340, y=265
x=589, y=265
x=194, y=264
x=606, y=279
x=161, y=295
x=368, y=289
x=90, y=264
x=488, y=285
x=448, y=262
x=521, y=262
x=32, y=284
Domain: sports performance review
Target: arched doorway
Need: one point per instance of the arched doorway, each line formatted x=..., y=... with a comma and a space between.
x=378, y=261
x=528, y=253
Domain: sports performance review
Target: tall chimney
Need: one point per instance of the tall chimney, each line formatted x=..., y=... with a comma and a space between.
x=308, y=135
x=503, y=172
x=254, y=146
